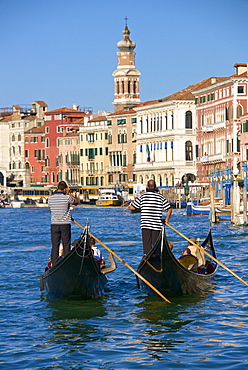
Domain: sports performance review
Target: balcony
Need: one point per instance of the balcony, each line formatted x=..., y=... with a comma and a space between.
x=214, y=126
x=212, y=159
x=114, y=169
x=91, y=157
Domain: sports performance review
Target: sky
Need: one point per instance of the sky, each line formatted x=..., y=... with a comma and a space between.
x=64, y=51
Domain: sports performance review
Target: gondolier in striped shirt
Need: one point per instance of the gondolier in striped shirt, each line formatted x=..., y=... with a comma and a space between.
x=59, y=204
x=151, y=204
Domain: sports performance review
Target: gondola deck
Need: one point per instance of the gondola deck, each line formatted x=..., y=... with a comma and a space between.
x=164, y=271
x=76, y=275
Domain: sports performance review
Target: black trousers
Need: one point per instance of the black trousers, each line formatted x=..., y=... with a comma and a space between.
x=149, y=238
x=60, y=233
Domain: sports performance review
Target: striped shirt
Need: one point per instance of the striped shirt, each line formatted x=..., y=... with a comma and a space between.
x=151, y=205
x=59, y=205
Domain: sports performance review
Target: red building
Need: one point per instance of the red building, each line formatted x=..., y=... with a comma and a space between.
x=57, y=122
x=221, y=102
x=34, y=149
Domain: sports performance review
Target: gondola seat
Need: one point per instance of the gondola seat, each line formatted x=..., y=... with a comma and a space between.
x=189, y=261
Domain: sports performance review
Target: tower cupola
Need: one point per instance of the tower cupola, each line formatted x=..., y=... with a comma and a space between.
x=126, y=76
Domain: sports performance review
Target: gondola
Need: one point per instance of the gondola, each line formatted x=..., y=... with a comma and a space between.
x=170, y=276
x=76, y=274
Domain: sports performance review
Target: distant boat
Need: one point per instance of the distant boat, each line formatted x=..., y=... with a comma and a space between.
x=108, y=197
x=17, y=204
x=42, y=202
x=200, y=209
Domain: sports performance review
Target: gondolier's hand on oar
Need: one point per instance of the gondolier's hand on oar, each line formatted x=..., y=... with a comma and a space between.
x=168, y=214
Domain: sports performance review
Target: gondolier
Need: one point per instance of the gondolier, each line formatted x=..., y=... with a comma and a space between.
x=151, y=203
x=59, y=204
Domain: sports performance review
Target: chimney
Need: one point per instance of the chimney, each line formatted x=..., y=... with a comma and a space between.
x=75, y=106
x=240, y=68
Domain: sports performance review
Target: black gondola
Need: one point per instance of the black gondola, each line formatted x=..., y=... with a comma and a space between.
x=76, y=274
x=166, y=273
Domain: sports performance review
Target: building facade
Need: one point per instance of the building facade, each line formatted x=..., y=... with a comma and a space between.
x=121, y=146
x=34, y=153
x=69, y=158
x=166, y=139
x=23, y=119
x=57, y=122
x=221, y=102
x=94, y=151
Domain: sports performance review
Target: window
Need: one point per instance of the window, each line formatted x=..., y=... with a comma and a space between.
x=13, y=137
x=26, y=153
x=188, y=151
x=239, y=111
x=121, y=122
x=240, y=89
x=226, y=114
x=47, y=130
x=188, y=120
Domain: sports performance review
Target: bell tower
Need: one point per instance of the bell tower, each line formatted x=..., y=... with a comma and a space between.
x=126, y=76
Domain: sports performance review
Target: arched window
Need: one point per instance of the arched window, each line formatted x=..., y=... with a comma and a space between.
x=188, y=151
x=128, y=87
x=188, y=120
x=239, y=111
x=134, y=87
x=118, y=87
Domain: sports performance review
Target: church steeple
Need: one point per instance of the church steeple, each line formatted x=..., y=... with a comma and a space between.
x=126, y=76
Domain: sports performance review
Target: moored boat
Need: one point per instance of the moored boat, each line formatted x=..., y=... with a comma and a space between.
x=199, y=210
x=17, y=204
x=173, y=277
x=41, y=203
x=108, y=197
x=77, y=274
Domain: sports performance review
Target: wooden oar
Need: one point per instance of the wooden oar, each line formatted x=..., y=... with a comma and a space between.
x=208, y=254
x=126, y=264
x=124, y=204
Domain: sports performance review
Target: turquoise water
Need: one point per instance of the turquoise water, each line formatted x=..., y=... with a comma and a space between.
x=125, y=329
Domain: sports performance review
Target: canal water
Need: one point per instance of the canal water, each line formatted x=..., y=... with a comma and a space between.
x=125, y=329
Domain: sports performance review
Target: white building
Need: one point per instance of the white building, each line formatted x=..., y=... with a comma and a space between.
x=166, y=139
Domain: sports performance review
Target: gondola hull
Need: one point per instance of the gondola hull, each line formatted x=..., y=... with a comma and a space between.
x=75, y=275
x=162, y=269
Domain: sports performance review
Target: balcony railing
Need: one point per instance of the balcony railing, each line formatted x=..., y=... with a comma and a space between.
x=114, y=169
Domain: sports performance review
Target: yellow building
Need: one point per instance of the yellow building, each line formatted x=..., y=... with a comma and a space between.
x=94, y=152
